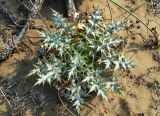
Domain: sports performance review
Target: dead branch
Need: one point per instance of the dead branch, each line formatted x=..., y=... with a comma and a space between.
x=37, y=6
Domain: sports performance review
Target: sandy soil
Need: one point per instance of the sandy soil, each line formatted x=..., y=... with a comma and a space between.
x=140, y=94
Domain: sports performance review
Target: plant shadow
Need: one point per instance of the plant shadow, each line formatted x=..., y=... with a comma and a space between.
x=27, y=99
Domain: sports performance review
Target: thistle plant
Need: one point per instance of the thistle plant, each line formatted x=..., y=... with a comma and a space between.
x=81, y=57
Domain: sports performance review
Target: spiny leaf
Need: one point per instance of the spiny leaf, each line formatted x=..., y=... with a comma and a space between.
x=80, y=56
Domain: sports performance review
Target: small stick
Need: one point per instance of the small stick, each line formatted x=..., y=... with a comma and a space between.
x=40, y=15
x=5, y=97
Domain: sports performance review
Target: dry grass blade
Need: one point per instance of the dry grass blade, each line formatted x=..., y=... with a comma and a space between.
x=153, y=32
x=65, y=106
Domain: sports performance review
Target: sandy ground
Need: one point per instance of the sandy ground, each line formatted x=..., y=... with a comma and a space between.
x=140, y=94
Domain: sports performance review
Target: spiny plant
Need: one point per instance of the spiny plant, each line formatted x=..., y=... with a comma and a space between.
x=81, y=57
